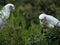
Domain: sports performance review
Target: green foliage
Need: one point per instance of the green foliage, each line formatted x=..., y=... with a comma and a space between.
x=27, y=11
x=52, y=35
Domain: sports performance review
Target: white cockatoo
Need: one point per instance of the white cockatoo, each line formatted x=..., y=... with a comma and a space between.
x=48, y=20
x=5, y=12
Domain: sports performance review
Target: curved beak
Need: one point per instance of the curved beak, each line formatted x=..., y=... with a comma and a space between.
x=13, y=8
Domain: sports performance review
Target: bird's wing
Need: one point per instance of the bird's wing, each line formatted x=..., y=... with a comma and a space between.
x=52, y=20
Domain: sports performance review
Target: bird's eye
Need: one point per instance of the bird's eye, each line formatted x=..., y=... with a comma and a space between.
x=10, y=7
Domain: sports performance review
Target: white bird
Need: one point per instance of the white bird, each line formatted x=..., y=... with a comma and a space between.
x=48, y=20
x=5, y=12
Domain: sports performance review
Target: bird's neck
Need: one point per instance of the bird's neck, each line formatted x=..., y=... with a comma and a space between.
x=6, y=13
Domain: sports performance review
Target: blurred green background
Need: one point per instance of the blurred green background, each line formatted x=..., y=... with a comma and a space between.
x=23, y=27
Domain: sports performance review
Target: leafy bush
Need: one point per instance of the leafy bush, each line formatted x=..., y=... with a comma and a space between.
x=14, y=31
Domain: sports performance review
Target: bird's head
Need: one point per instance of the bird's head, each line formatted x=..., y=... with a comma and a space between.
x=10, y=6
x=6, y=10
x=42, y=16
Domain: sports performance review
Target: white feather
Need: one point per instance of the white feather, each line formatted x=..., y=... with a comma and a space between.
x=5, y=12
x=49, y=20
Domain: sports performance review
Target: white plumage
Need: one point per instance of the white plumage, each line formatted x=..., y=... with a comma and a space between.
x=5, y=12
x=48, y=20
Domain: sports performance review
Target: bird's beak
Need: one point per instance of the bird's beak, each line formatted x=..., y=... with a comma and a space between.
x=13, y=8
